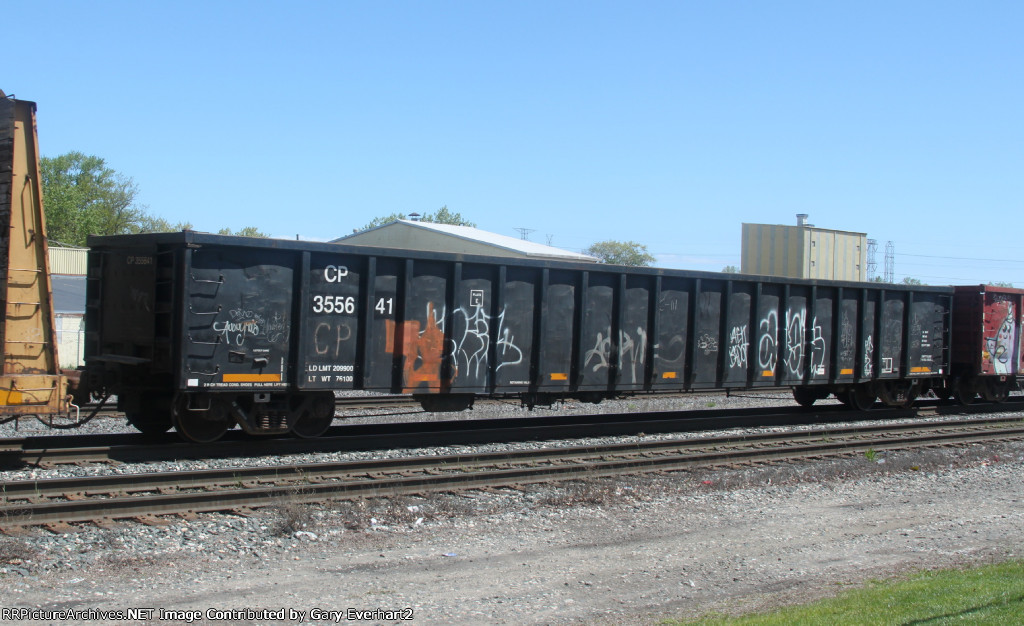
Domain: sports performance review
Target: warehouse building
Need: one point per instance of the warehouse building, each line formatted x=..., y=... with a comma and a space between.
x=803, y=251
x=430, y=237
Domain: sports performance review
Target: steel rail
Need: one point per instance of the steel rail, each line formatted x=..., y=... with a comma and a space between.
x=127, y=447
x=148, y=481
x=315, y=482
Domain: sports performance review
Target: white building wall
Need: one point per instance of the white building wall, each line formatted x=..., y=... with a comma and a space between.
x=70, y=339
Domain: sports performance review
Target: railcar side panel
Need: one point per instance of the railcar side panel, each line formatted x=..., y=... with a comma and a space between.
x=514, y=327
x=890, y=347
x=557, y=342
x=1001, y=323
x=794, y=348
x=736, y=362
x=121, y=297
x=670, y=341
x=599, y=346
x=635, y=331
x=334, y=315
x=927, y=341
x=846, y=347
x=380, y=361
x=237, y=316
x=707, y=334
x=471, y=320
x=822, y=342
x=767, y=335
x=426, y=365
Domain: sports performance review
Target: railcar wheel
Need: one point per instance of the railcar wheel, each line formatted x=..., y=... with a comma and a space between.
x=897, y=394
x=445, y=402
x=861, y=397
x=963, y=389
x=316, y=418
x=806, y=396
x=201, y=426
x=996, y=391
x=150, y=415
x=148, y=424
x=942, y=393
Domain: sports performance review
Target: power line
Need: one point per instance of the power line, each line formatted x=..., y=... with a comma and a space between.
x=960, y=258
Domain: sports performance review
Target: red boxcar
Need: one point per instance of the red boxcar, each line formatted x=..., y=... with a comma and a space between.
x=986, y=356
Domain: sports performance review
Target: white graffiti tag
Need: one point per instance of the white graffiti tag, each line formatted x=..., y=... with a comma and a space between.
x=471, y=348
x=738, y=347
x=243, y=323
x=767, y=345
x=869, y=357
x=632, y=352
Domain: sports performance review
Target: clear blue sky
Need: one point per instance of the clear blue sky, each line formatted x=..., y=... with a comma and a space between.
x=667, y=123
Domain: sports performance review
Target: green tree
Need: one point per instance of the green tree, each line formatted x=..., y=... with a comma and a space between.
x=380, y=221
x=912, y=281
x=441, y=216
x=150, y=224
x=444, y=216
x=621, y=253
x=730, y=269
x=83, y=196
x=248, y=231
x=1000, y=283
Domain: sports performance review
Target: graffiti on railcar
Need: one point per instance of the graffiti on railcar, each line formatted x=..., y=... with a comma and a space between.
x=246, y=323
x=632, y=353
x=738, y=345
x=708, y=343
x=767, y=344
x=794, y=342
x=471, y=348
x=670, y=355
x=869, y=356
x=817, y=349
x=1000, y=337
x=423, y=346
x=509, y=353
x=797, y=347
x=847, y=339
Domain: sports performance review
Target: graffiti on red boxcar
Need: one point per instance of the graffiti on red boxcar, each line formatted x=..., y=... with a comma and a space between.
x=1000, y=337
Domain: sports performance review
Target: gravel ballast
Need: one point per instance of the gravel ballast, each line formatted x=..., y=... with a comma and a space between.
x=617, y=551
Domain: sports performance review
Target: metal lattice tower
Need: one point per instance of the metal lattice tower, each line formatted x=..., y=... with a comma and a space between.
x=872, y=263
x=890, y=261
x=524, y=233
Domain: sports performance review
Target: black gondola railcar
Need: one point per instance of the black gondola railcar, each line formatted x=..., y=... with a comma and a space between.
x=202, y=332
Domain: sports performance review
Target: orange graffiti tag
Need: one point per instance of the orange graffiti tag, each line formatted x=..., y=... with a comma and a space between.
x=423, y=352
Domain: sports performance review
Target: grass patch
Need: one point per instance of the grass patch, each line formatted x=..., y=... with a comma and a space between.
x=992, y=594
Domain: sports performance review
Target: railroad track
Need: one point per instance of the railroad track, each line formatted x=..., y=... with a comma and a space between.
x=35, y=502
x=133, y=447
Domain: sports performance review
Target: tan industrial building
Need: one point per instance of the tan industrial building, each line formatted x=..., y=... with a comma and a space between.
x=804, y=251
x=430, y=237
x=67, y=280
